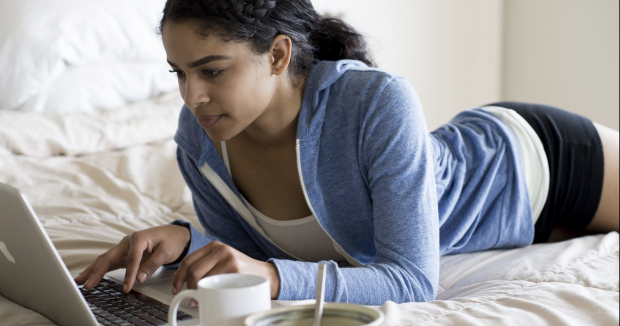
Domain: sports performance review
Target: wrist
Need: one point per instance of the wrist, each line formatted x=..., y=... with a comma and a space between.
x=187, y=240
x=274, y=281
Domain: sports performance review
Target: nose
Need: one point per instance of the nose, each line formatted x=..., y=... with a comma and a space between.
x=195, y=93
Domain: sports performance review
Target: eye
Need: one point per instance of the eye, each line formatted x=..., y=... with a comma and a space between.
x=212, y=74
x=180, y=74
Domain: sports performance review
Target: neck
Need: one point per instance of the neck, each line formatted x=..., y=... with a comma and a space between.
x=277, y=126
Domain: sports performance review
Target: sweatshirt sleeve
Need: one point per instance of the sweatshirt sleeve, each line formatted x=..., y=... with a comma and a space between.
x=397, y=157
x=214, y=214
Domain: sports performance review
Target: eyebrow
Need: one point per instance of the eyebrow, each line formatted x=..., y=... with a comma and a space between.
x=203, y=61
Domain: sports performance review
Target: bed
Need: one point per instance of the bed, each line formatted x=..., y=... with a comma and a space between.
x=96, y=168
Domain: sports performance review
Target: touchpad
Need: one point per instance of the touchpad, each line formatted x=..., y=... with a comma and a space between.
x=160, y=275
x=161, y=281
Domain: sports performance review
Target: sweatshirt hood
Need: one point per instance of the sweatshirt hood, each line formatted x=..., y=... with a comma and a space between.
x=322, y=77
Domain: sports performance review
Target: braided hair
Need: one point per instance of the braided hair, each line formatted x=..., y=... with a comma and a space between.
x=258, y=22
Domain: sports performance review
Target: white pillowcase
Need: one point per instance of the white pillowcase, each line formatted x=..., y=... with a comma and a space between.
x=76, y=55
x=102, y=87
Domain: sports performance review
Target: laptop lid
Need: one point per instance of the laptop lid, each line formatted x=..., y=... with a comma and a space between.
x=32, y=273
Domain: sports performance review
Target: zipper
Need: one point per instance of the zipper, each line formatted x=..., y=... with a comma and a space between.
x=348, y=257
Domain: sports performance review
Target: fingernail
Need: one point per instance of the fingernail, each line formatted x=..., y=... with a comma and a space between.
x=193, y=303
x=174, y=290
x=142, y=277
x=125, y=288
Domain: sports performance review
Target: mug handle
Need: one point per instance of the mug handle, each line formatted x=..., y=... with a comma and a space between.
x=174, y=306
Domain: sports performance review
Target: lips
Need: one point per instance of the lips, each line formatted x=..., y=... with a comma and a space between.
x=208, y=121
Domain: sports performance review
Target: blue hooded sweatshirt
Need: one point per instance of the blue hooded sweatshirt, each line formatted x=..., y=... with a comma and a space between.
x=391, y=195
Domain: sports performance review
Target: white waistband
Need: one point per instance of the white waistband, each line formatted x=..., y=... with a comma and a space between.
x=534, y=158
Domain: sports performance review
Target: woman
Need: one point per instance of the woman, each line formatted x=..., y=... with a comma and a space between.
x=295, y=155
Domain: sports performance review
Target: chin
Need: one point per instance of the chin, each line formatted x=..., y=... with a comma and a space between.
x=217, y=135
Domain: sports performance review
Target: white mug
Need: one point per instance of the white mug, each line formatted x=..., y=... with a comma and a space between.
x=226, y=300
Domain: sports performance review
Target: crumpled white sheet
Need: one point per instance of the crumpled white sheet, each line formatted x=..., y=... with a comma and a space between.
x=53, y=134
x=93, y=178
x=568, y=283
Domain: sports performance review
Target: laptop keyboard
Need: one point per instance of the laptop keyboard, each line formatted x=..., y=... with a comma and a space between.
x=112, y=307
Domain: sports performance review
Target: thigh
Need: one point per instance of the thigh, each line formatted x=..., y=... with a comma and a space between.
x=607, y=217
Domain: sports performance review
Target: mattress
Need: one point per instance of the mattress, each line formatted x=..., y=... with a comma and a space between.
x=94, y=177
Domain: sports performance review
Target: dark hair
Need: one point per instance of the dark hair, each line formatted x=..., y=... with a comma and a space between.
x=260, y=21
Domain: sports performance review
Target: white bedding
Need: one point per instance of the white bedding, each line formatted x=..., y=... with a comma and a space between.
x=94, y=177
x=80, y=56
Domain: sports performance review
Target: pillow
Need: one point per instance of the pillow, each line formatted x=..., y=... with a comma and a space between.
x=48, y=42
x=105, y=86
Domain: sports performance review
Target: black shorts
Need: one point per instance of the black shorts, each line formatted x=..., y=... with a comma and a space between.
x=576, y=165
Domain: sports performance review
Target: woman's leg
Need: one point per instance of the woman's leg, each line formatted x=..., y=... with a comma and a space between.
x=607, y=218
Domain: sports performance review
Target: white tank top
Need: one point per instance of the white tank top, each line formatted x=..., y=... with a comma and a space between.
x=533, y=156
x=304, y=238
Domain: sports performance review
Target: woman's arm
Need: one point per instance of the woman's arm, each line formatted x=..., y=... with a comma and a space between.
x=398, y=159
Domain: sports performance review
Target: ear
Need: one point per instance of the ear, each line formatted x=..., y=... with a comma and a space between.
x=281, y=49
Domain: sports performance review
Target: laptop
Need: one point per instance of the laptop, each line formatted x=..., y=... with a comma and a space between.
x=33, y=275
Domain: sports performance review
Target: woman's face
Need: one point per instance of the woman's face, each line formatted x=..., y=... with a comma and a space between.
x=225, y=85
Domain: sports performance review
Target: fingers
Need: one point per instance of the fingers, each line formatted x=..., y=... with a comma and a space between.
x=190, y=271
x=102, y=265
x=159, y=257
x=214, y=259
x=138, y=243
x=219, y=269
x=85, y=274
x=163, y=245
x=156, y=246
x=119, y=264
x=201, y=270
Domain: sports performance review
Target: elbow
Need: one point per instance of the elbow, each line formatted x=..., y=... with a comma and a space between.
x=421, y=293
x=414, y=287
x=422, y=286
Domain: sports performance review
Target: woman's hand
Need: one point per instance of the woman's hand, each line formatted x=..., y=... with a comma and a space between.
x=141, y=253
x=217, y=258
